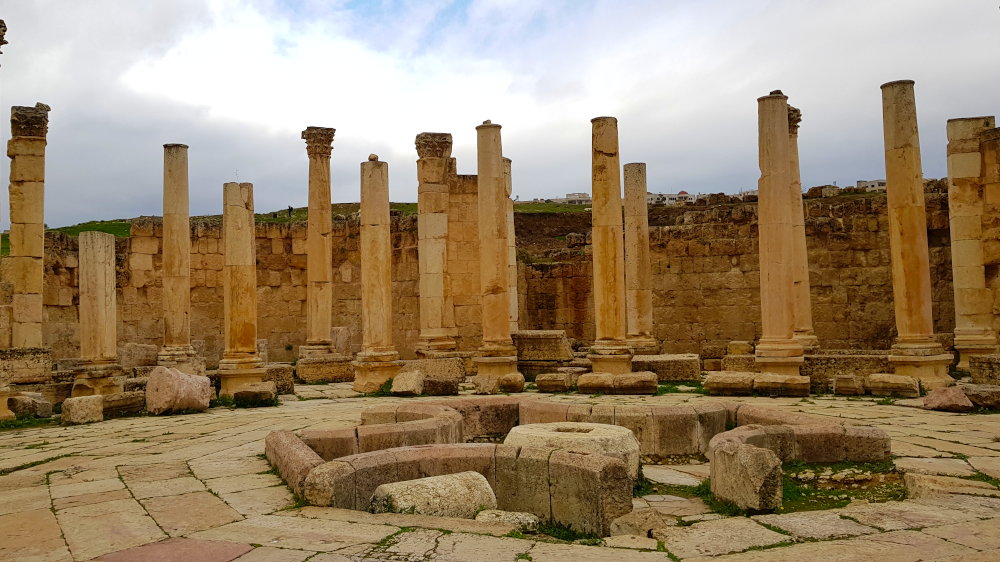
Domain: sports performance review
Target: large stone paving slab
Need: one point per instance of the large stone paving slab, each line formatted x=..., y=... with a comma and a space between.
x=271, y=554
x=181, y=550
x=96, y=529
x=32, y=535
x=987, y=465
x=291, y=532
x=947, y=467
x=722, y=536
x=815, y=525
x=896, y=516
x=185, y=513
x=897, y=546
x=981, y=535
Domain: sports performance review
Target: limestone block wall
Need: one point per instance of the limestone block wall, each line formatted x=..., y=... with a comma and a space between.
x=706, y=276
x=463, y=259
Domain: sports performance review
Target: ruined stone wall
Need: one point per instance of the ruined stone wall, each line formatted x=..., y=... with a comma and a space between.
x=463, y=259
x=281, y=289
x=706, y=279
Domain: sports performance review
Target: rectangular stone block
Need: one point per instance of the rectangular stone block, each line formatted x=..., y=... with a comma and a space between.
x=780, y=385
x=681, y=367
x=728, y=383
x=588, y=491
x=884, y=384
x=522, y=479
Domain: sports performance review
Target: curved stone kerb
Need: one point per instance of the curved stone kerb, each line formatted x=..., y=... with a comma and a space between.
x=811, y=443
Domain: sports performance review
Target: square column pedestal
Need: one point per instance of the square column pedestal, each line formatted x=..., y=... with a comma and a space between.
x=372, y=369
x=183, y=358
x=98, y=378
x=616, y=360
x=241, y=374
x=926, y=364
x=320, y=363
x=496, y=373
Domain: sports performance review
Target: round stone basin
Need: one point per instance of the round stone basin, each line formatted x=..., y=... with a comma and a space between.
x=611, y=440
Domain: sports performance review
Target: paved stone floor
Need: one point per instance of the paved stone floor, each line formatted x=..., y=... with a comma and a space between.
x=195, y=487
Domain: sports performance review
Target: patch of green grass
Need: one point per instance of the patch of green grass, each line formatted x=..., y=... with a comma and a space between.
x=384, y=390
x=643, y=486
x=255, y=402
x=36, y=445
x=671, y=388
x=121, y=229
x=516, y=535
x=887, y=401
x=877, y=467
x=297, y=503
x=530, y=386
x=391, y=539
x=564, y=532
x=543, y=207
x=704, y=491
x=980, y=477
x=226, y=401
x=523, y=556
x=24, y=422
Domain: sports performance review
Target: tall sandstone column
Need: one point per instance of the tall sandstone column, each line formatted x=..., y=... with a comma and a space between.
x=378, y=360
x=916, y=353
x=240, y=367
x=778, y=351
x=974, y=333
x=437, y=320
x=177, y=351
x=497, y=360
x=511, y=249
x=319, y=248
x=989, y=149
x=318, y=360
x=638, y=282
x=22, y=357
x=610, y=353
x=801, y=301
x=99, y=371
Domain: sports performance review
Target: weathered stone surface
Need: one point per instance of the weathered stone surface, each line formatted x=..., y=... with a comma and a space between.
x=170, y=390
x=441, y=375
x=948, y=399
x=556, y=382
x=524, y=521
x=923, y=485
x=181, y=549
x=635, y=383
x=541, y=345
x=985, y=369
x=324, y=368
x=983, y=395
x=680, y=367
x=729, y=383
x=137, y=355
x=987, y=465
x=721, y=536
x=848, y=385
x=282, y=375
x=83, y=409
x=749, y=477
x=781, y=385
x=512, y=382
x=739, y=348
x=452, y=495
x=884, y=384
x=595, y=383
x=946, y=467
x=293, y=459
x=124, y=403
x=815, y=525
x=410, y=383
x=597, y=438
x=588, y=491
x=666, y=475
x=30, y=404
x=641, y=522
x=256, y=393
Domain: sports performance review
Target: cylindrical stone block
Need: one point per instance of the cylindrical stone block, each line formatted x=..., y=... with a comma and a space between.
x=176, y=248
x=239, y=273
x=376, y=267
x=911, y=279
x=638, y=283
x=98, y=335
x=493, y=238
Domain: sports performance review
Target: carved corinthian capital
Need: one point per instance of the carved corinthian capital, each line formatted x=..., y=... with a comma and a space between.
x=794, y=118
x=434, y=145
x=29, y=121
x=319, y=140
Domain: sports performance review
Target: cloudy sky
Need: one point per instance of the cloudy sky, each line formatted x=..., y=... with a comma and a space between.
x=237, y=80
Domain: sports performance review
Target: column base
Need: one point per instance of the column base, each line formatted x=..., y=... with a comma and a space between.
x=181, y=357
x=312, y=349
x=328, y=367
x=429, y=343
x=780, y=357
x=970, y=344
x=779, y=365
x=930, y=370
x=465, y=356
x=496, y=374
x=610, y=356
x=808, y=341
x=643, y=345
x=98, y=378
x=5, y=413
x=234, y=380
x=372, y=370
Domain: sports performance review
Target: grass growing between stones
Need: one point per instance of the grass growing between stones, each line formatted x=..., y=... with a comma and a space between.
x=6, y=471
x=384, y=390
x=566, y=533
x=681, y=388
x=24, y=422
x=816, y=486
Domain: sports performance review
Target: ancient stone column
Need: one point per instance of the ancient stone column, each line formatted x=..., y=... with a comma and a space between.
x=436, y=315
x=99, y=371
x=240, y=367
x=319, y=248
x=974, y=333
x=26, y=149
x=989, y=149
x=610, y=353
x=511, y=249
x=638, y=272
x=778, y=351
x=497, y=360
x=378, y=360
x=177, y=351
x=801, y=302
x=916, y=353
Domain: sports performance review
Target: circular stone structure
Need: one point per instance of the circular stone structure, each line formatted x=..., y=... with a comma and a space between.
x=611, y=440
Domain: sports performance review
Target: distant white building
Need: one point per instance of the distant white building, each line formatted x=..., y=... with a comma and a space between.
x=668, y=198
x=871, y=185
x=577, y=199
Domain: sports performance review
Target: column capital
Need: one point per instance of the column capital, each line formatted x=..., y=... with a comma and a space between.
x=434, y=145
x=29, y=121
x=319, y=140
x=794, y=118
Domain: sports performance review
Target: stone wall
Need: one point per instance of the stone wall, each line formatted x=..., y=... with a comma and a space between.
x=705, y=277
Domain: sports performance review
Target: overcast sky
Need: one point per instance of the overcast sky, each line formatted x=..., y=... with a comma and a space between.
x=238, y=80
